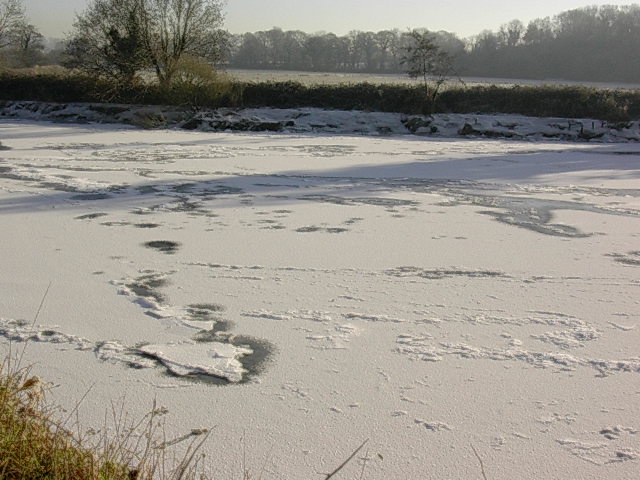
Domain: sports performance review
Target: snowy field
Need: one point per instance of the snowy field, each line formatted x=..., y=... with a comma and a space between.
x=335, y=78
x=302, y=293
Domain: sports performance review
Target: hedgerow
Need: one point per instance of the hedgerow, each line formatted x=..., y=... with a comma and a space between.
x=539, y=101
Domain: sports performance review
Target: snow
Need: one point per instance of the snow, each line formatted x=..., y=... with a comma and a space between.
x=315, y=120
x=302, y=291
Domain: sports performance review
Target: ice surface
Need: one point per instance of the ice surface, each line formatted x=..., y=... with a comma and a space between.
x=303, y=291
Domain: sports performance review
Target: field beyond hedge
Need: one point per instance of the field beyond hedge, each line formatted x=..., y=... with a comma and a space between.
x=537, y=101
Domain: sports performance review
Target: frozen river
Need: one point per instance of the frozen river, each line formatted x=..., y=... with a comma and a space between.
x=299, y=294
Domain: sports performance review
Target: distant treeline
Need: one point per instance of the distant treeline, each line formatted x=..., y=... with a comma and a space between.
x=588, y=44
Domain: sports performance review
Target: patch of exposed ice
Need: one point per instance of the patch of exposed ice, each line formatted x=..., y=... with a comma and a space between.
x=115, y=352
x=191, y=358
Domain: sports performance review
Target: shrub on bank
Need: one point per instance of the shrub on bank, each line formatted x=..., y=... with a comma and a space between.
x=33, y=445
x=47, y=87
x=220, y=91
x=71, y=87
x=358, y=96
x=544, y=101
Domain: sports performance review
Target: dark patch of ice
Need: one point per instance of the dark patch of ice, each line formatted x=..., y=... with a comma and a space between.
x=378, y=202
x=147, y=286
x=90, y=196
x=115, y=224
x=631, y=258
x=91, y=216
x=203, y=311
x=440, y=273
x=165, y=246
x=147, y=225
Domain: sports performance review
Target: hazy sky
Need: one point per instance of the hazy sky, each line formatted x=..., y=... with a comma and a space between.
x=464, y=17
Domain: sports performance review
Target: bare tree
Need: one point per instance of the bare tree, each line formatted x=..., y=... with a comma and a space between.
x=385, y=40
x=511, y=33
x=27, y=48
x=538, y=32
x=424, y=60
x=121, y=38
x=173, y=28
x=11, y=17
x=107, y=40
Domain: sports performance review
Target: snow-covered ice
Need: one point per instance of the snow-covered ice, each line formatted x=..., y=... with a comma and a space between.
x=301, y=292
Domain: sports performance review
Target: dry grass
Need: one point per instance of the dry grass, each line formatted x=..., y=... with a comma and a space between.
x=35, y=444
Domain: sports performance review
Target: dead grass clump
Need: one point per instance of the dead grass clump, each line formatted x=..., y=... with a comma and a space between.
x=32, y=444
x=35, y=445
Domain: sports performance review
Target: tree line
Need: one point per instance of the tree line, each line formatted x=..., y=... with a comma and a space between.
x=591, y=43
x=184, y=40
x=379, y=52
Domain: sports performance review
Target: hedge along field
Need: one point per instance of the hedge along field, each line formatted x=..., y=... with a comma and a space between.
x=538, y=101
